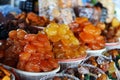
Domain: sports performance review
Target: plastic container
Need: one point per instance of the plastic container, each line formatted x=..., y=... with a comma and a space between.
x=23, y=75
x=96, y=52
x=64, y=63
x=50, y=77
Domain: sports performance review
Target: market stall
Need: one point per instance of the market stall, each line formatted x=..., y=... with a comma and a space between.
x=60, y=40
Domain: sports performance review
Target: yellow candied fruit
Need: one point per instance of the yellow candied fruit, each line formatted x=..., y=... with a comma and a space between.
x=74, y=41
x=6, y=78
x=62, y=30
x=115, y=22
x=111, y=68
x=55, y=38
x=52, y=29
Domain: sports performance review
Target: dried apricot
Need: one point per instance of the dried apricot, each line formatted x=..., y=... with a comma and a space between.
x=87, y=38
x=30, y=37
x=29, y=48
x=81, y=20
x=24, y=56
x=13, y=34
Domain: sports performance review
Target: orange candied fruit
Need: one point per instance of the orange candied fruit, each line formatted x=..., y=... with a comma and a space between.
x=81, y=20
x=88, y=34
x=86, y=37
x=35, y=53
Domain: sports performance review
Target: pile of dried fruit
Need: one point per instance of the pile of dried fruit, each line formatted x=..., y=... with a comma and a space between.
x=65, y=44
x=88, y=34
x=105, y=64
x=86, y=72
x=33, y=51
x=112, y=31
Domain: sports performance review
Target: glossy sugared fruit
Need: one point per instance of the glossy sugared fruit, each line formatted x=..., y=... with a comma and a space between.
x=88, y=34
x=34, y=51
x=65, y=44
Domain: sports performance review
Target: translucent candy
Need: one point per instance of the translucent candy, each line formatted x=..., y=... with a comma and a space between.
x=32, y=67
x=90, y=29
x=74, y=40
x=34, y=51
x=30, y=37
x=29, y=48
x=20, y=34
x=81, y=20
x=88, y=34
x=87, y=38
x=24, y=56
x=52, y=29
x=111, y=68
x=62, y=29
x=63, y=41
x=13, y=34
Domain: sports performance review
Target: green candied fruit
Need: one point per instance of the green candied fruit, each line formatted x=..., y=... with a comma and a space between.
x=89, y=77
x=110, y=77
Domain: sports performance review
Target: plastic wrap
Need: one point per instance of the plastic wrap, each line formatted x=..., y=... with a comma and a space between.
x=110, y=9
x=60, y=11
x=93, y=13
x=6, y=9
x=65, y=3
x=50, y=77
x=106, y=64
x=117, y=8
x=82, y=70
x=67, y=15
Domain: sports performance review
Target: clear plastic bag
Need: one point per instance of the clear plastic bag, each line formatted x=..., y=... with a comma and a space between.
x=57, y=10
x=67, y=15
x=6, y=9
